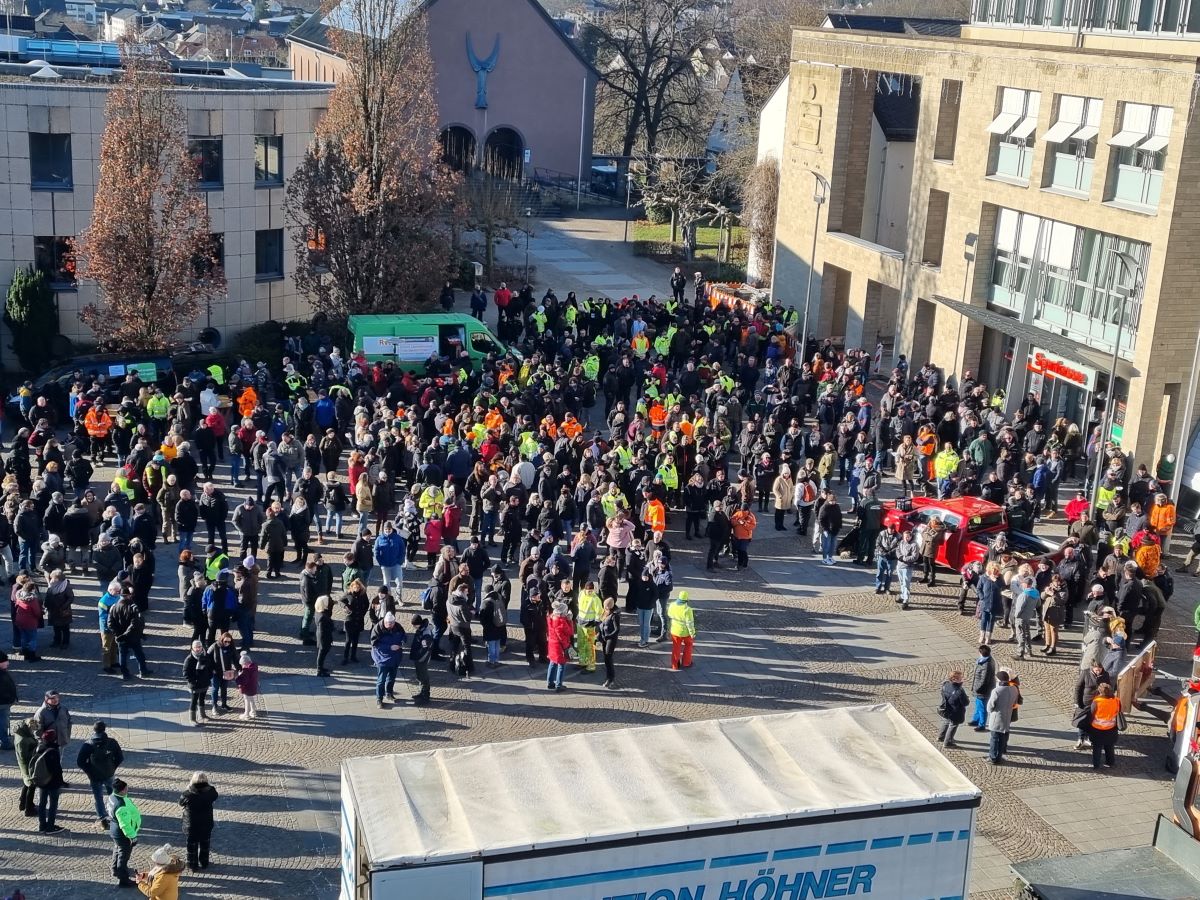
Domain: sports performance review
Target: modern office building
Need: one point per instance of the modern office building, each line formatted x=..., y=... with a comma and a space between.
x=246, y=136
x=1046, y=213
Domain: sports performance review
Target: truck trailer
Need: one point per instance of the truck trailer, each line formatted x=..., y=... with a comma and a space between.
x=849, y=802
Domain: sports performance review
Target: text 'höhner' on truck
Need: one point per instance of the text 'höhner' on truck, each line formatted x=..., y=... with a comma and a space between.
x=849, y=802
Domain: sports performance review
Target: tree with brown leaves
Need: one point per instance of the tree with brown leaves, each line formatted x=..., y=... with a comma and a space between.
x=373, y=185
x=149, y=228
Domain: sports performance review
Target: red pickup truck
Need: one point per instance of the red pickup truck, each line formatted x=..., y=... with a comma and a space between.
x=971, y=525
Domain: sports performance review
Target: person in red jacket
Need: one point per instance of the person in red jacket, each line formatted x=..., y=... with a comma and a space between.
x=560, y=633
x=451, y=522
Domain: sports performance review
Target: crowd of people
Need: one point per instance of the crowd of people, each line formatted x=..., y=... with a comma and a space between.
x=434, y=511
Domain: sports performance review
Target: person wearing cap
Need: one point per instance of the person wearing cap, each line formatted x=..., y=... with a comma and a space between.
x=387, y=652
x=953, y=708
x=683, y=631
x=560, y=632
x=245, y=584
x=420, y=652
x=248, y=521
x=162, y=881
x=1005, y=698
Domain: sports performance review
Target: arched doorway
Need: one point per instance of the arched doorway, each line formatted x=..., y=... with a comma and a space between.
x=458, y=148
x=504, y=153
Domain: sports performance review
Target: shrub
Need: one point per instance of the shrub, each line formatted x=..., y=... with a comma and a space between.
x=657, y=215
x=31, y=315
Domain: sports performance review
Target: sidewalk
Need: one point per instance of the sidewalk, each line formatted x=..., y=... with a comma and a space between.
x=587, y=255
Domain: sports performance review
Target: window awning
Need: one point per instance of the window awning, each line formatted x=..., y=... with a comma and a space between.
x=1024, y=128
x=1154, y=143
x=1086, y=133
x=1126, y=138
x=1003, y=123
x=1060, y=131
x=1047, y=340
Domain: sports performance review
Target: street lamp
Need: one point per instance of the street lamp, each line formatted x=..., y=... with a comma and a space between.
x=628, y=197
x=1134, y=269
x=528, y=229
x=820, y=195
x=969, y=255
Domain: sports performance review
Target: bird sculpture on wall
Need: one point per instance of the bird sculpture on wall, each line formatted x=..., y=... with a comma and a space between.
x=482, y=68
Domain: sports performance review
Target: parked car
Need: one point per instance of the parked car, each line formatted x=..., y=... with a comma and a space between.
x=971, y=525
x=166, y=368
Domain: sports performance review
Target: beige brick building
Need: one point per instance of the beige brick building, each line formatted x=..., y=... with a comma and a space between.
x=1054, y=178
x=246, y=137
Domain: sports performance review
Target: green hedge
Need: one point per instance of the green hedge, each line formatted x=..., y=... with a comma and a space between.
x=657, y=249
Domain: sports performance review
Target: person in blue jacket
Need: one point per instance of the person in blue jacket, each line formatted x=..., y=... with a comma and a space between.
x=389, y=556
x=108, y=641
x=387, y=652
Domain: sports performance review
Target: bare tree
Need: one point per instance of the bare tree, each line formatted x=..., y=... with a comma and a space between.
x=372, y=189
x=493, y=210
x=762, y=29
x=647, y=53
x=760, y=206
x=682, y=188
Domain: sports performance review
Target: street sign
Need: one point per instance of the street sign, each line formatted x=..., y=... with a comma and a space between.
x=1118, y=424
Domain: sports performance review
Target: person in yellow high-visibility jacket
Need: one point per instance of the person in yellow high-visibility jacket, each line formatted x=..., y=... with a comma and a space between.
x=945, y=467
x=591, y=610
x=683, y=631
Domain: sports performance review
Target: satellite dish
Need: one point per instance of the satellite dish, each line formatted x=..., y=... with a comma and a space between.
x=211, y=336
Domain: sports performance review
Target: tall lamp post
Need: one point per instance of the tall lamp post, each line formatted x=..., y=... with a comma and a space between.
x=820, y=195
x=969, y=243
x=1134, y=269
x=628, y=197
x=528, y=230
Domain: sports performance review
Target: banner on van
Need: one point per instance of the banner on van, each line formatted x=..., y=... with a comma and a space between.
x=421, y=347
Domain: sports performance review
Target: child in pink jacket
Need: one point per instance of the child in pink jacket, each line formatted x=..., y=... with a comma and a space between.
x=247, y=682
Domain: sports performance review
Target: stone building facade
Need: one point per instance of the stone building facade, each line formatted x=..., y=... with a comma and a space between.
x=1052, y=187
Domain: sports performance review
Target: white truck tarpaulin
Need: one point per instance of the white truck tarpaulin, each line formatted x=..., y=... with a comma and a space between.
x=463, y=803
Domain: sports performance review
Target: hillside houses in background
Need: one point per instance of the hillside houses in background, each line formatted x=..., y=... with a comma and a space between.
x=235, y=31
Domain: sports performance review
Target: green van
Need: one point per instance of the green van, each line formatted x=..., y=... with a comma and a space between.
x=409, y=340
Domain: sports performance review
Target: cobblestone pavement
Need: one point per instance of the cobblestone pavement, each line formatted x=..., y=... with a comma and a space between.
x=786, y=634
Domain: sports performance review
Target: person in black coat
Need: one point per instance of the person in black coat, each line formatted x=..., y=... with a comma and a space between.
x=48, y=749
x=324, y=629
x=197, y=802
x=719, y=530
x=533, y=621
x=953, y=708
x=141, y=578
x=355, y=604
x=198, y=672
